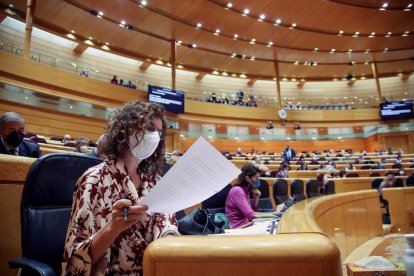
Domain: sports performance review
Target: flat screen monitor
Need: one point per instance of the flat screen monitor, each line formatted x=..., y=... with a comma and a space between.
x=172, y=100
x=396, y=111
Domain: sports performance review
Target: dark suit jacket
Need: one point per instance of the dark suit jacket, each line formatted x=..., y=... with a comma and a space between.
x=25, y=149
x=292, y=155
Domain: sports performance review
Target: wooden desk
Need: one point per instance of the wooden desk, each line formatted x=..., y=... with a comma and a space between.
x=392, y=248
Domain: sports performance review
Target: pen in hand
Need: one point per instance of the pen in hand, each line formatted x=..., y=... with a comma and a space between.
x=125, y=209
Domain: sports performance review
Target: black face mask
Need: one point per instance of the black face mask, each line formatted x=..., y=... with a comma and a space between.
x=14, y=139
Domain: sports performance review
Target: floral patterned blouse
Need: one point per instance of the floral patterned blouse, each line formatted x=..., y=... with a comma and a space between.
x=95, y=193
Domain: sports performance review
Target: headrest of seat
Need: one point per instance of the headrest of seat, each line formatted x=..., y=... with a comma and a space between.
x=52, y=178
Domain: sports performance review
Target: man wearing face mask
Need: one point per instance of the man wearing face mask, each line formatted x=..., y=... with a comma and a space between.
x=12, y=137
x=109, y=228
x=238, y=209
x=81, y=143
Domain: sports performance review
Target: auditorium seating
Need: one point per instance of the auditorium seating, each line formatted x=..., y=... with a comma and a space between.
x=280, y=191
x=45, y=210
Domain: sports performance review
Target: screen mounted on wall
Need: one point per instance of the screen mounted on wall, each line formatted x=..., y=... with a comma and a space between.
x=172, y=100
x=396, y=111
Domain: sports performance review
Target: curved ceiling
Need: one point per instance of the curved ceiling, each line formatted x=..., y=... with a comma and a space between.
x=310, y=39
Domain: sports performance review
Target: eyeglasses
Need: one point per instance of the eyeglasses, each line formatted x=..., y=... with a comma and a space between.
x=152, y=128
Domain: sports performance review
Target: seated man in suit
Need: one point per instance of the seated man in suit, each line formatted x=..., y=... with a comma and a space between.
x=12, y=135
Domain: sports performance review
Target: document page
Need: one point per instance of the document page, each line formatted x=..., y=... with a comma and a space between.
x=201, y=172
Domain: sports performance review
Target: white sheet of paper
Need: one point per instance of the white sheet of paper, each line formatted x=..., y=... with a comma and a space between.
x=201, y=172
x=375, y=262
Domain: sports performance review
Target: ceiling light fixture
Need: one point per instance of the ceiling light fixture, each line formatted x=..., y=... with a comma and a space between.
x=144, y=3
x=199, y=25
x=278, y=21
x=340, y=33
x=229, y=5
x=246, y=12
x=262, y=17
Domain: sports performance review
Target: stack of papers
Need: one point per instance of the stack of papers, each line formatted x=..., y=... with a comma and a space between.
x=200, y=173
x=258, y=228
x=375, y=262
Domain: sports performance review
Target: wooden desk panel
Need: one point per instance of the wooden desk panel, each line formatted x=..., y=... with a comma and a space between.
x=283, y=254
x=401, y=206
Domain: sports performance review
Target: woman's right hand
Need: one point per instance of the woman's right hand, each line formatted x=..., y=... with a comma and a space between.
x=120, y=222
x=256, y=193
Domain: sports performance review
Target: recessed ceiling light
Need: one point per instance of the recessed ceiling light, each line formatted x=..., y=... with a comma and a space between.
x=236, y=36
x=252, y=58
x=278, y=21
x=332, y=51
x=217, y=31
x=90, y=38
x=194, y=45
x=123, y=22
x=293, y=25
x=350, y=50
x=253, y=41
x=270, y=43
x=386, y=49
x=144, y=3
x=229, y=5
x=385, y=5
x=246, y=11
x=72, y=31
x=10, y=5
x=179, y=42
x=296, y=62
x=199, y=25
x=100, y=13
x=367, y=50
x=315, y=49
x=262, y=16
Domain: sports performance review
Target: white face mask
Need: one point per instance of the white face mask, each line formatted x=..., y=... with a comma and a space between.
x=146, y=147
x=83, y=149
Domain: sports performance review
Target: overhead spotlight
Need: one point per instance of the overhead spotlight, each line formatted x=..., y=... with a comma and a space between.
x=144, y=3
x=192, y=46
x=129, y=27
x=278, y=21
x=94, y=13
x=229, y=5
x=246, y=11
x=199, y=25
x=100, y=13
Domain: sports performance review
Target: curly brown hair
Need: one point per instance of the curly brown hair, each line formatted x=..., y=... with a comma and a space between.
x=133, y=118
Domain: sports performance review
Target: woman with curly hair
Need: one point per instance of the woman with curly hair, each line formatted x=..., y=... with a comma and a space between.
x=109, y=229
